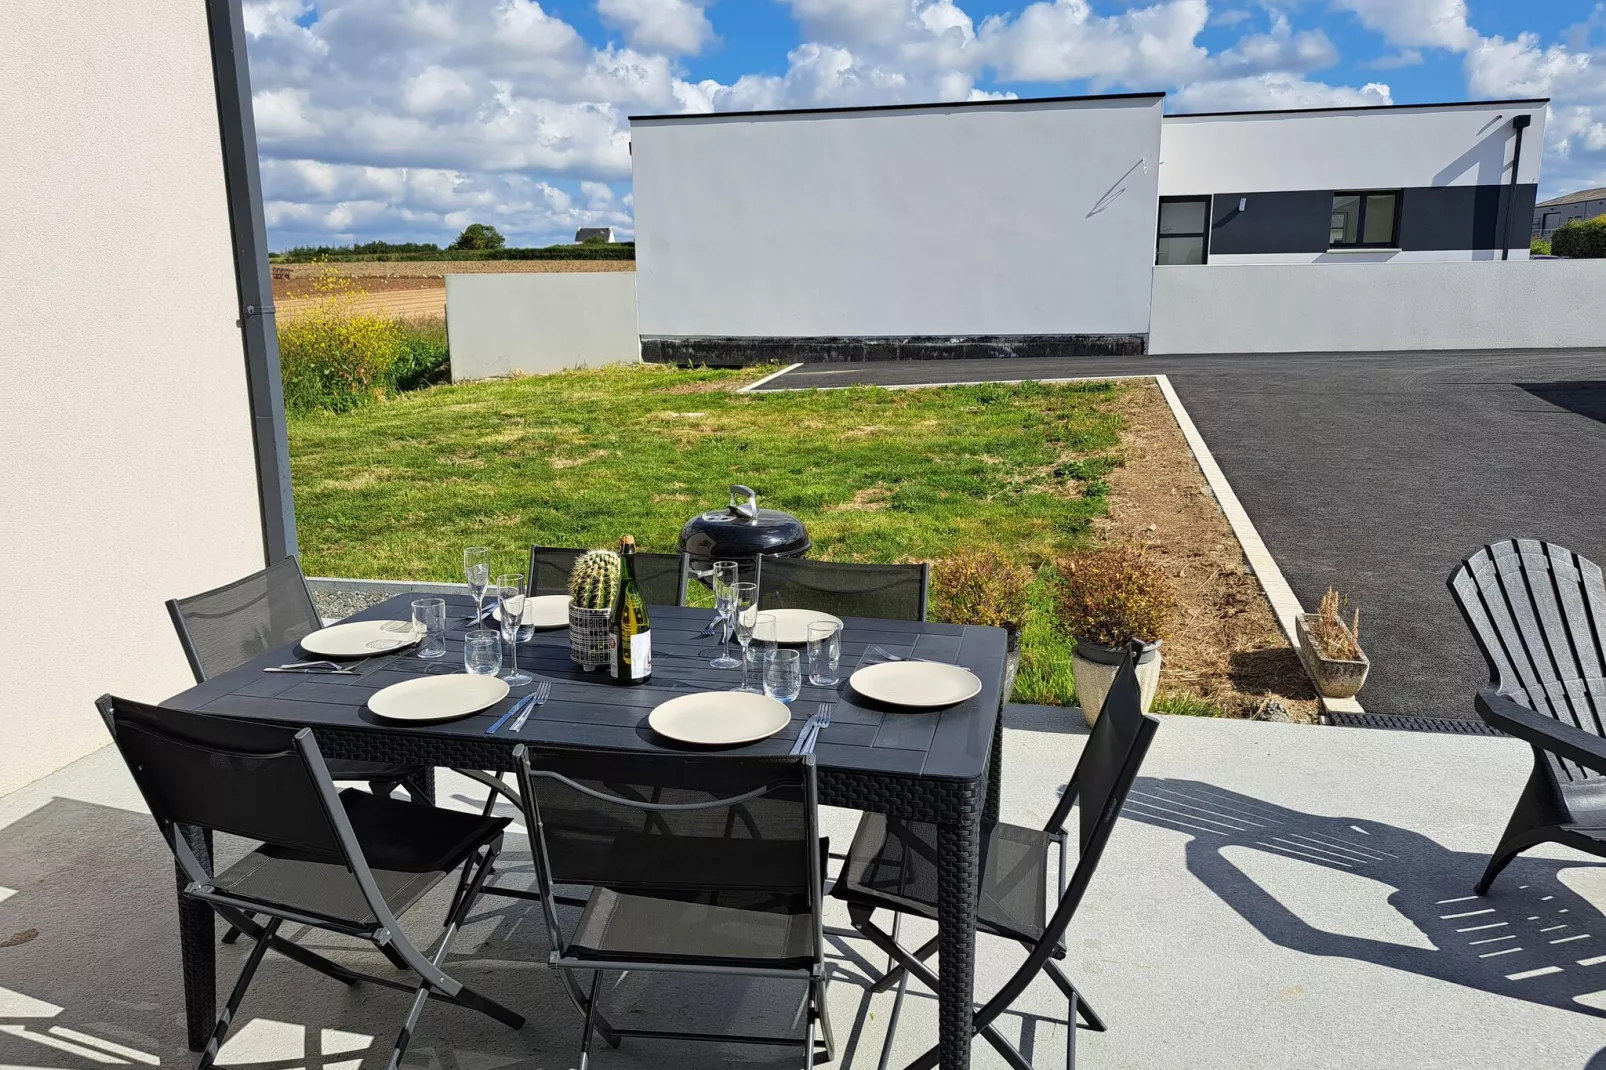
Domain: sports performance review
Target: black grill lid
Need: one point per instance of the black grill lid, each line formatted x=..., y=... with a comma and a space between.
x=742, y=531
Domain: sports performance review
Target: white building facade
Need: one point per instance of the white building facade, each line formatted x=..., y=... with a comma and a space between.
x=1024, y=228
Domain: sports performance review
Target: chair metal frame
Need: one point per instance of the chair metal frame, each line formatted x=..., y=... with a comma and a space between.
x=682, y=561
x=588, y=1002
x=386, y=933
x=804, y=564
x=1538, y=613
x=1123, y=705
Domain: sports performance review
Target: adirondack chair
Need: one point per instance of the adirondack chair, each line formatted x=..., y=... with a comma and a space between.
x=1538, y=611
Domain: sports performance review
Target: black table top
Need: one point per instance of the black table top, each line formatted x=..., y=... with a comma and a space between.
x=587, y=710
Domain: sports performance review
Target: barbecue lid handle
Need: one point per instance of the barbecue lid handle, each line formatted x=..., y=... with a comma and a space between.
x=747, y=510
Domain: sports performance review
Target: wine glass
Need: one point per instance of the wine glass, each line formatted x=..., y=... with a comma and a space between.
x=724, y=577
x=783, y=675
x=510, y=601
x=743, y=616
x=760, y=641
x=477, y=571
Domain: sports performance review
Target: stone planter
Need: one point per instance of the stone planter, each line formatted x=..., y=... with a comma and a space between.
x=1095, y=667
x=1333, y=677
x=588, y=637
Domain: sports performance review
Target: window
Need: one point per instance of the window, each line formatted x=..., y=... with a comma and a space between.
x=1184, y=231
x=1364, y=220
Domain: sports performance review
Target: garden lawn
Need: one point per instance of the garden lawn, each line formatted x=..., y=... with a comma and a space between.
x=397, y=489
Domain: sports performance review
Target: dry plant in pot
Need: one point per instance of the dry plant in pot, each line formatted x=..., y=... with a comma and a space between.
x=1331, y=649
x=983, y=587
x=1104, y=598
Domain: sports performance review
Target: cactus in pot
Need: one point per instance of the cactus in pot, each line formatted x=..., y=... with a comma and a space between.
x=593, y=585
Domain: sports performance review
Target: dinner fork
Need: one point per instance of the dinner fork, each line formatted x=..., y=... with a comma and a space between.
x=542, y=692
x=811, y=731
x=890, y=656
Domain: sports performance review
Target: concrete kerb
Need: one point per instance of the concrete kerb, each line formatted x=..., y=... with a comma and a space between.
x=1281, y=596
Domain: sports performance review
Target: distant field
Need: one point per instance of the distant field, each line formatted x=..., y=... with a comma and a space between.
x=410, y=288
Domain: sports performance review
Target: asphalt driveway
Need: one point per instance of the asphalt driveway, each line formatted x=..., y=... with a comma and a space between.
x=1375, y=473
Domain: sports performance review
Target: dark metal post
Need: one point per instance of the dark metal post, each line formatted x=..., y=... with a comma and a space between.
x=232, y=82
x=1519, y=124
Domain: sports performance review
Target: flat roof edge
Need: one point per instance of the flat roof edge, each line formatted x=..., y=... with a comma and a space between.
x=1359, y=107
x=926, y=106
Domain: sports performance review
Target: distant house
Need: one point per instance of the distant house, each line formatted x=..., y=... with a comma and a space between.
x=588, y=233
x=1585, y=204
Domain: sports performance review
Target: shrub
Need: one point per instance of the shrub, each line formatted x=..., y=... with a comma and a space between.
x=424, y=359
x=1111, y=595
x=1539, y=247
x=1581, y=239
x=1327, y=630
x=979, y=587
x=334, y=357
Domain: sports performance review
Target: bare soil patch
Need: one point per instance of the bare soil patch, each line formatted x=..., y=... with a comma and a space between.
x=1225, y=647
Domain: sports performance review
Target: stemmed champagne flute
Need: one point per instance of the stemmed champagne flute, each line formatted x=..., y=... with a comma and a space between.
x=743, y=615
x=477, y=571
x=724, y=578
x=510, y=600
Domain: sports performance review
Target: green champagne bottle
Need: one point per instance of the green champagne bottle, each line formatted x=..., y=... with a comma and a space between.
x=629, y=632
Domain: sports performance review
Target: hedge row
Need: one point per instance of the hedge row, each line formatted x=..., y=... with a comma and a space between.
x=1581, y=239
x=614, y=251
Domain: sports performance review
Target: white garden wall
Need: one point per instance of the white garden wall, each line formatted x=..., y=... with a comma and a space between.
x=529, y=323
x=1336, y=308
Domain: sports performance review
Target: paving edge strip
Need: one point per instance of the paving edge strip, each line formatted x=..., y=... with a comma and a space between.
x=1261, y=563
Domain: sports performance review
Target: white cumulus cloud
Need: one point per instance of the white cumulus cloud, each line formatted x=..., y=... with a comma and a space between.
x=675, y=27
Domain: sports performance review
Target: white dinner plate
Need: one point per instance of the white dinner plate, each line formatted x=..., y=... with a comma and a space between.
x=360, y=638
x=719, y=718
x=438, y=698
x=792, y=625
x=542, y=611
x=921, y=684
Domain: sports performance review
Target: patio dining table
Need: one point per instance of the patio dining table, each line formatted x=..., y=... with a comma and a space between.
x=939, y=766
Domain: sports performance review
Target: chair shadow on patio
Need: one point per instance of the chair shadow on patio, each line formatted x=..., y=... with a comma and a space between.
x=1532, y=938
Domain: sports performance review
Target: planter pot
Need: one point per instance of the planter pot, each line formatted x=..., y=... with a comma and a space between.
x=588, y=637
x=1333, y=677
x=1095, y=667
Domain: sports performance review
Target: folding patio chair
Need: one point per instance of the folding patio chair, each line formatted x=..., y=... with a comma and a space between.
x=348, y=862
x=893, y=864
x=662, y=577
x=226, y=627
x=1538, y=612
x=699, y=865
x=890, y=592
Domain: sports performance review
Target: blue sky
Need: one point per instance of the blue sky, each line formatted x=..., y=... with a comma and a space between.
x=407, y=119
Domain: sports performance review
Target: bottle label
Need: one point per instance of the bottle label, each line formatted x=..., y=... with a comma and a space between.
x=641, y=655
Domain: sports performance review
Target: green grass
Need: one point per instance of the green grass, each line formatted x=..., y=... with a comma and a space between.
x=397, y=489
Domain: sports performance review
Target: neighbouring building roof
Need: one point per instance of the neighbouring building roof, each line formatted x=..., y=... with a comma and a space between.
x=1596, y=194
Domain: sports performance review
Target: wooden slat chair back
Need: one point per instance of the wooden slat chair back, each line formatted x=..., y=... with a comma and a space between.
x=1538, y=612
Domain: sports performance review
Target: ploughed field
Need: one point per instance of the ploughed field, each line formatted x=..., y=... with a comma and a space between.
x=413, y=289
x=395, y=490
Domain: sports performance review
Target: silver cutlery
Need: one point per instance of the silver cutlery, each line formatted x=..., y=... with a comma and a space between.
x=313, y=670
x=511, y=711
x=811, y=730
x=538, y=697
x=890, y=656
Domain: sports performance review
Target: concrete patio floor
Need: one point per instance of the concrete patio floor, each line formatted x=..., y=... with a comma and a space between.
x=1277, y=896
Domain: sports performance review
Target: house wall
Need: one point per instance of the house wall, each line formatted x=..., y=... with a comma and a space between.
x=124, y=425
x=529, y=323
x=1272, y=176
x=761, y=235
x=1547, y=220
x=1342, y=308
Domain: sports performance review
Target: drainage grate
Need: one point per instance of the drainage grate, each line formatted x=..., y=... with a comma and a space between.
x=1452, y=725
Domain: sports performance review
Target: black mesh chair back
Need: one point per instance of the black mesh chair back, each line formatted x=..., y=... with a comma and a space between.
x=699, y=863
x=269, y=783
x=226, y=627
x=662, y=576
x=1538, y=613
x=890, y=592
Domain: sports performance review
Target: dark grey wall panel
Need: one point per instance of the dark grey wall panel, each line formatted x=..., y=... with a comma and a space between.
x=1293, y=221
x=740, y=352
x=1432, y=218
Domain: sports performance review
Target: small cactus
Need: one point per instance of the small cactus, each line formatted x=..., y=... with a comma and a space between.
x=595, y=580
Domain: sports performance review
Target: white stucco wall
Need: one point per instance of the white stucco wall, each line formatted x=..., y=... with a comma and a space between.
x=1336, y=308
x=1381, y=148
x=128, y=474
x=1014, y=219
x=526, y=324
